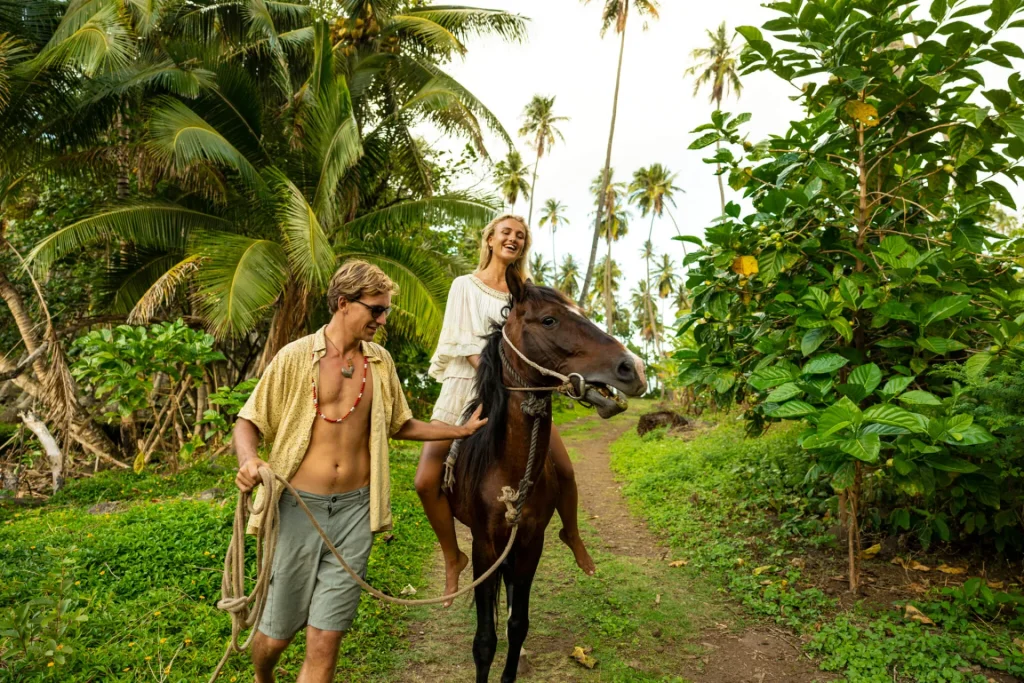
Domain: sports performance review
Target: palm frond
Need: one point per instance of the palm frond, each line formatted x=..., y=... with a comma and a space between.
x=90, y=37
x=309, y=251
x=161, y=292
x=440, y=210
x=431, y=35
x=181, y=138
x=240, y=278
x=136, y=271
x=154, y=225
x=332, y=138
x=465, y=22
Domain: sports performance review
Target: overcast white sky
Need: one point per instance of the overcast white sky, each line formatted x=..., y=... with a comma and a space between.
x=565, y=56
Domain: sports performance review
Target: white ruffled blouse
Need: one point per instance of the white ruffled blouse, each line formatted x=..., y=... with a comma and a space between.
x=471, y=308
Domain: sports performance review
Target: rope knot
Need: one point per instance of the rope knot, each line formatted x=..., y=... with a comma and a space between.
x=509, y=496
x=535, y=406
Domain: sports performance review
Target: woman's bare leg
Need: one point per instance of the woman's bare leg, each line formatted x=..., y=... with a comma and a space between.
x=439, y=512
x=568, y=503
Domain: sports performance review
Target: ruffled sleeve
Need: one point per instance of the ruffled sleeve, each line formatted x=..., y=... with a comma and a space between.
x=459, y=334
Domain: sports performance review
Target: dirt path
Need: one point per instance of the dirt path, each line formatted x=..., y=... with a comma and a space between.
x=637, y=616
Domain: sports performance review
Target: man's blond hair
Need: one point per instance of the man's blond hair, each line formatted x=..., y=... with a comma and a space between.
x=356, y=279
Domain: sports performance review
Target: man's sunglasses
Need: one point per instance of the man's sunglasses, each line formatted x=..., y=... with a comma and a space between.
x=375, y=311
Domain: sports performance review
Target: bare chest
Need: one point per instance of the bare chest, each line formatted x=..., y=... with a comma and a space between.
x=340, y=397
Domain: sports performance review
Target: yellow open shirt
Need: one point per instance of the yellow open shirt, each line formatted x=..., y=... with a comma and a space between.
x=281, y=406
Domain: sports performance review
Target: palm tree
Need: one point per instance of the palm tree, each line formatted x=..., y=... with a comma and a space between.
x=650, y=190
x=608, y=199
x=605, y=289
x=568, y=278
x=276, y=179
x=539, y=125
x=718, y=66
x=554, y=213
x=666, y=280
x=649, y=327
x=614, y=13
x=541, y=271
x=510, y=175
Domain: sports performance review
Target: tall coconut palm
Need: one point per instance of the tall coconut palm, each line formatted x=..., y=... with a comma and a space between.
x=539, y=127
x=541, y=271
x=718, y=66
x=279, y=178
x=666, y=280
x=510, y=174
x=614, y=14
x=568, y=277
x=554, y=213
x=650, y=328
x=605, y=289
x=608, y=197
x=651, y=190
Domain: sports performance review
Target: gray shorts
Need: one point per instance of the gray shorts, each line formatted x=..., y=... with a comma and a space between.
x=307, y=583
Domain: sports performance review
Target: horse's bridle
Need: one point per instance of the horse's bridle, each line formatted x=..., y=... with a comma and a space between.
x=566, y=387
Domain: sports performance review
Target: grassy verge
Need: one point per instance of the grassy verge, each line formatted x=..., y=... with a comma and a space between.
x=145, y=581
x=740, y=512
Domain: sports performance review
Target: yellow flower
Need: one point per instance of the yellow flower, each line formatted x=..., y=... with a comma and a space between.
x=167, y=670
x=102, y=572
x=156, y=614
x=127, y=668
x=148, y=658
x=78, y=583
x=131, y=644
x=233, y=679
x=61, y=646
x=49, y=665
x=163, y=640
x=188, y=641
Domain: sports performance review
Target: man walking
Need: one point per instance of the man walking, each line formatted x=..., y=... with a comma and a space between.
x=328, y=402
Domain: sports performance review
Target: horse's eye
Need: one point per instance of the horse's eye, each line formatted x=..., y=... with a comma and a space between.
x=548, y=322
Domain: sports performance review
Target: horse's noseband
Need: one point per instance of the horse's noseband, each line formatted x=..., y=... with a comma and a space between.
x=574, y=385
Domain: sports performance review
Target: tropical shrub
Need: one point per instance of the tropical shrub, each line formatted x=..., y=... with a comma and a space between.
x=867, y=260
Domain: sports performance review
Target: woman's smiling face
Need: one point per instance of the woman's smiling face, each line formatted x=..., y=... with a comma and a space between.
x=508, y=241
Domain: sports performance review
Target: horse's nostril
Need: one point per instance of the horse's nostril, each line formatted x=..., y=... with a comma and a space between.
x=626, y=370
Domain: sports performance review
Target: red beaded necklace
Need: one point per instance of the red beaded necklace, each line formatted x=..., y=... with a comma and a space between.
x=362, y=389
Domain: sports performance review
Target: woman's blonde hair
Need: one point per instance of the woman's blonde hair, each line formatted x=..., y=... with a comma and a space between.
x=356, y=279
x=522, y=261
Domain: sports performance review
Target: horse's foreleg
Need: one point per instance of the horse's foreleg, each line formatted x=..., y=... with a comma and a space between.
x=486, y=640
x=519, y=613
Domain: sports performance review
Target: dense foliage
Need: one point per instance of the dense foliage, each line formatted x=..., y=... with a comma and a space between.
x=867, y=261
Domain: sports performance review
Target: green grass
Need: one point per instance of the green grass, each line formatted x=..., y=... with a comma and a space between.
x=740, y=511
x=147, y=578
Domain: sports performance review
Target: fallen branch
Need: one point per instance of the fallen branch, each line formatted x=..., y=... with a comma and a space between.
x=53, y=452
x=23, y=365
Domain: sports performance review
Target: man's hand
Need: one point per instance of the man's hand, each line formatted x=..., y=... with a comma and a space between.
x=249, y=474
x=473, y=423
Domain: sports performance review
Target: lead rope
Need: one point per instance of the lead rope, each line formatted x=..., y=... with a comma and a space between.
x=236, y=603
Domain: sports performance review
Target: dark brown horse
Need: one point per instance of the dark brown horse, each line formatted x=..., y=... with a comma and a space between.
x=551, y=332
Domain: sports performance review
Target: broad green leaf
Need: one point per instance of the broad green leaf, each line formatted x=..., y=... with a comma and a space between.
x=940, y=345
x=865, y=447
x=812, y=339
x=824, y=364
x=841, y=414
x=977, y=364
x=750, y=33
x=723, y=380
x=842, y=326
x=849, y=291
x=945, y=307
x=895, y=416
x=964, y=143
x=766, y=378
x=974, y=435
x=1001, y=10
x=784, y=393
x=844, y=476
x=868, y=376
x=705, y=140
x=920, y=398
x=896, y=385
x=830, y=173
x=949, y=463
x=790, y=409
x=937, y=9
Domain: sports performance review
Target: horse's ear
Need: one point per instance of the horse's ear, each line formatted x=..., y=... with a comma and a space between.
x=515, y=282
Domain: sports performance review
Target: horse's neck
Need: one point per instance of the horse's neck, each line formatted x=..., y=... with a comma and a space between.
x=519, y=434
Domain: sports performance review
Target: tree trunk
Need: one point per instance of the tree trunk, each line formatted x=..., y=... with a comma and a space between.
x=83, y=430
x=288, y=322
x=718, y=167
x=50, y=447
x=853, y=533
x=609, y=304
x=533, y=192
x=605, y=178
x=554, y=256
x=651, y=318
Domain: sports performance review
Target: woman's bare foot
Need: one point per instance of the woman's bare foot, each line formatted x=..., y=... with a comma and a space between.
x=451, y=576
x=579, y=551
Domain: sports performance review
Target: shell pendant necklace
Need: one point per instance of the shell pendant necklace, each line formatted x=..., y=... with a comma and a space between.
x=346, y=372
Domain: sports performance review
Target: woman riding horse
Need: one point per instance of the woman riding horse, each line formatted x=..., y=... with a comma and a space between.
x=474, y=303
x=503, y=476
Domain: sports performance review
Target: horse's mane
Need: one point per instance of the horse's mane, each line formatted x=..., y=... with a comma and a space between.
x=484, y=449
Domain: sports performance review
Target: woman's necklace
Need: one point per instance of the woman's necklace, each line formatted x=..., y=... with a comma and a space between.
x=350, y=370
